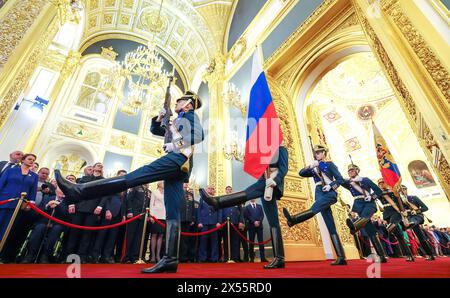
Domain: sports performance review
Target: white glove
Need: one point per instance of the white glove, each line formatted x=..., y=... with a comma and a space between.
x=326, y=188
x=315, y=164
x=357, y=179
x=270, y=182
x=168, y=147
x=368, y=198
x=162, y=112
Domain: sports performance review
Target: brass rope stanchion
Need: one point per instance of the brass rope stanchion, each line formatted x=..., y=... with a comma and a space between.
x=23, y=197
x=144, y=229
x=229, y=242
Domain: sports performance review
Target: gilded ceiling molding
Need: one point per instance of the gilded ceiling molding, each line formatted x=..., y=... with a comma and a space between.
x=428, y=58
x=442, y=168
x=216, y=15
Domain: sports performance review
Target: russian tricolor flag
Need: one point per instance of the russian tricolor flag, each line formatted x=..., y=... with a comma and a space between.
x=264, y=134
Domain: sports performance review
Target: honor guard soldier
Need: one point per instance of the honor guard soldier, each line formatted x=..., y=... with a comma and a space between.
x=364, y=192
x=393, y=216
x=415, y=208
x=278, y=169
x=327, y=178
x=174, y=168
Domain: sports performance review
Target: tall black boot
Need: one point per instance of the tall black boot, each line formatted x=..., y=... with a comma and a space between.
x=91, y=190
x=278, y=249
x=169, y=263
x=340, y=260
x=220, y=202
x=402, y=243
x=297, y=218
x=378, y=248
x=358, y=224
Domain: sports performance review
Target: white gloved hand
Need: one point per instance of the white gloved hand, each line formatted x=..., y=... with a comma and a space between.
x=270, y=182
x=315, y=164
x=162, y=112
x=326, y=188
x=357, y=179
x=168, y=147
x=368, y=198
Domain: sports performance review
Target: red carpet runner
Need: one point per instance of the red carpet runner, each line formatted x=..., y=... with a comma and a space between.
x=395, y=268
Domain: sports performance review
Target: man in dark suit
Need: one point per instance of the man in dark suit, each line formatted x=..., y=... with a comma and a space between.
x=254, y=215
x=85, y=213
x=237, y=219
x=105, y=240
x=88, y=171
x=136, y=203
x=14, y=160
x=188, y=220
x=208, y=219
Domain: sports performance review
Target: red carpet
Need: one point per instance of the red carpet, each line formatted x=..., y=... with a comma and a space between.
x=395, y=268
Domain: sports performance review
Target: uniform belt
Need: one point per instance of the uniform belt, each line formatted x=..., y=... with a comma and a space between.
x=387, y=205
x=318, y=183
x=359, y=197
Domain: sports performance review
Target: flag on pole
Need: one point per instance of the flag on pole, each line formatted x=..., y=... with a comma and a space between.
x=388, y=167
x=264, y=134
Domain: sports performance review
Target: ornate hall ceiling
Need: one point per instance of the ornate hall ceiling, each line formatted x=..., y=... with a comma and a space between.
x=190, y=31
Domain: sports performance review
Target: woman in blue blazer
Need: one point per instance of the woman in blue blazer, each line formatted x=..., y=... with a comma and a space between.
x=13, y=182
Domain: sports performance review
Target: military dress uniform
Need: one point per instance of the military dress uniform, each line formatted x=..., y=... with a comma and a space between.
x=394, y=219
x=364, y=205
x=174, y=168
x=323, y=200
x=416, y=218
x=279, y=164
x=188, y=224
x=209, y=218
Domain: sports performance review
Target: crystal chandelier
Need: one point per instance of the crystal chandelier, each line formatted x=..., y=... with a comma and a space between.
x=142, y=70
x=234, y=149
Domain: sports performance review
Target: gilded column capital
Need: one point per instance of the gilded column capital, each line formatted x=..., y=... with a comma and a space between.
x=72, y=61
x=215, y=72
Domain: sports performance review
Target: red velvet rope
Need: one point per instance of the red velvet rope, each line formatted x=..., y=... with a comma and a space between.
x=436, y=242
x=67, y=224
x=7, y=201
x=388, y=242
x=248, y=240
x=188, y=233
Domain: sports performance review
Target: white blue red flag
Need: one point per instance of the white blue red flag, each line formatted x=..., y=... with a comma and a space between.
x=264, y=134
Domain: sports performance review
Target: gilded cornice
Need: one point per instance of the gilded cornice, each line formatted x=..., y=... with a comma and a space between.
x=427, y=57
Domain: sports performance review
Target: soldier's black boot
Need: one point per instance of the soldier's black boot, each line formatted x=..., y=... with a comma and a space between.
x=378, y=248
x=297, y=218
x=340, y=260
x=357, y=224
x=169, y=263
x=91, y=190
x=402, y=243
x=429, y=250
x=278, y=249
x=220, y=202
